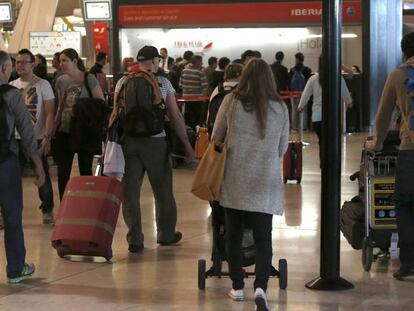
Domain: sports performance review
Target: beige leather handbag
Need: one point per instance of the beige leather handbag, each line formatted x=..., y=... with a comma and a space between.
x=209, y=174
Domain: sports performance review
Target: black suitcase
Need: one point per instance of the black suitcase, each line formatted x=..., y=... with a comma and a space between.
x=352, y=222
x=176, y=147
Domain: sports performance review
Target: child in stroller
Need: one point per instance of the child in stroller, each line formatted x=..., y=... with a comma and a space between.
x=218, y=254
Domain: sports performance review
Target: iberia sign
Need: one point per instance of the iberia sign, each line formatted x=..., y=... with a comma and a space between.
x=298, y=13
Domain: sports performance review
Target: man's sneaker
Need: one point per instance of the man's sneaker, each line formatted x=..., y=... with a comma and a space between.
x=260, y=300
x=48, y=218
x=28, y=270
x=236, y=294
x=133, y=248
x=404, y=271
x=175, y=239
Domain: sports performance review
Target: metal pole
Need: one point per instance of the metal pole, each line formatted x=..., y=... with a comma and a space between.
x=331, y=149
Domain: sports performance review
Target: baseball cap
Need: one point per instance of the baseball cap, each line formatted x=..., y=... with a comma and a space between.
x=147, y=52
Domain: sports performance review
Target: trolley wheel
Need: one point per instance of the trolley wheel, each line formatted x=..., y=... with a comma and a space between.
x=174, y=163
x=299, y=181
x=61, y=255
x=367, y=255
x=283, y=273
x=201, y=274
x=285, y=180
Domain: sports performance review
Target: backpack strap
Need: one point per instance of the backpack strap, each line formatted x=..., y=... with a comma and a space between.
x=88, y=88
x=4, y=88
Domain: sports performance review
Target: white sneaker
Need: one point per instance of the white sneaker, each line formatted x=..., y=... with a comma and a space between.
x=260, y=300
x=236, y=294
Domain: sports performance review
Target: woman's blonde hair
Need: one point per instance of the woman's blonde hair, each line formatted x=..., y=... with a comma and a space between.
x=256, y=87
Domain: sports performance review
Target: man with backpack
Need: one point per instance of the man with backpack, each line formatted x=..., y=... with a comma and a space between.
x=399, y=91
x=298, y=76
x=146, y=101
x=14, y=114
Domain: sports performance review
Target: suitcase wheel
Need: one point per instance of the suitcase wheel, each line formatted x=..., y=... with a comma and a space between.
x=367, y=255
x=299, y=181
x=285, y=180
x=202, y=274
x=283, y=274
x=61, y=255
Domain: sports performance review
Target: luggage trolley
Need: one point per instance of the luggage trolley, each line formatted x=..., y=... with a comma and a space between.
x=380, y=215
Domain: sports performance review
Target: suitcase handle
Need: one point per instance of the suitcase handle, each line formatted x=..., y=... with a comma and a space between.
x=301, y=126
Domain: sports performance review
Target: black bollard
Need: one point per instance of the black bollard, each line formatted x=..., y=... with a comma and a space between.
x=331, y=149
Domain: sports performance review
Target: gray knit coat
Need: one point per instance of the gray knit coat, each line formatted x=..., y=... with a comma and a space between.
x=252, y=178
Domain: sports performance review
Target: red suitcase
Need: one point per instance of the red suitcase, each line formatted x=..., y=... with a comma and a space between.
x=86, y=220
x=292, y=160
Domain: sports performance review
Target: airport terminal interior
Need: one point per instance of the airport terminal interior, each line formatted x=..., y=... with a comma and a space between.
x=173, y=277
x=166, y=277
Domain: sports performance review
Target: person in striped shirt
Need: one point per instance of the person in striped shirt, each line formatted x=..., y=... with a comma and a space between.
x=193, y=80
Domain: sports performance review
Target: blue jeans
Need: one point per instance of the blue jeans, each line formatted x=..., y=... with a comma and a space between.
x=404, y=204
x=11, y=202
x=46, y=191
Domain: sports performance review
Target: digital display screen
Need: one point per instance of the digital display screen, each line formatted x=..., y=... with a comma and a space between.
x=5, y=12
x=97, y=10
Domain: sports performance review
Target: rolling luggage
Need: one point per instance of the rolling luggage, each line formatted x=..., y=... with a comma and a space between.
x=292, y=160
x=86, y=220
x=175, y=145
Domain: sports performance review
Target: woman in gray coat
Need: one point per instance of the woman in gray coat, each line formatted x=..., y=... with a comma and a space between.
x=257, y=123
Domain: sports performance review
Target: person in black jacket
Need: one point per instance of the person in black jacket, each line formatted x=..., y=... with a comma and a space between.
x=298, y=76
x=99, y=64
x=40, y=69
x=281, y=75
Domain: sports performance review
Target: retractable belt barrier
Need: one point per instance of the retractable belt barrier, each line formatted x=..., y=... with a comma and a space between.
x=290, y=94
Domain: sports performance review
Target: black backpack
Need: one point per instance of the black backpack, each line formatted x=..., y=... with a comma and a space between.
x=5, y=137
x=144, y=114
x=214, y=106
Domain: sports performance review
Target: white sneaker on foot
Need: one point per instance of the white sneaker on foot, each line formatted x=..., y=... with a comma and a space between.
x=260, y=300
x=236, y=294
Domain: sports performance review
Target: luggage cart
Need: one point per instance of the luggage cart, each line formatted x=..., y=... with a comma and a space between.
x=380, y=216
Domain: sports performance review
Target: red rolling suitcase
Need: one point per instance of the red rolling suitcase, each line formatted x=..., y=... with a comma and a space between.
x=86, y=220
x=292, y=160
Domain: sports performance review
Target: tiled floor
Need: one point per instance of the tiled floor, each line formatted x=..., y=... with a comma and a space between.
x=165, y=278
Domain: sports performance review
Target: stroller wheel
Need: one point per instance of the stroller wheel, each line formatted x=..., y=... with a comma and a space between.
x=367, y=255
x=201, y=274
x=283, y=273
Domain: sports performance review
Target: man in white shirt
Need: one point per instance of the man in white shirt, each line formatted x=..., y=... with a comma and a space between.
x=39, y=99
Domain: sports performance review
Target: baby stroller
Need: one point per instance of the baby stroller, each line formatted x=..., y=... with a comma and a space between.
x=376, y=180
x=219, y=252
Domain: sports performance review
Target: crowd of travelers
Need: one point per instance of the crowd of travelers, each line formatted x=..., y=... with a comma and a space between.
x=36, y=120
